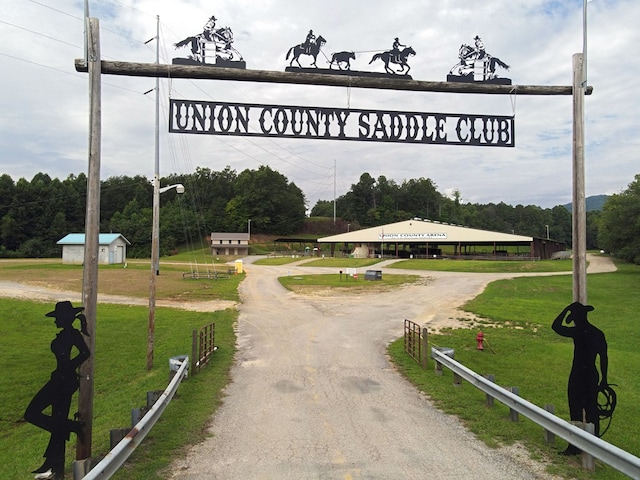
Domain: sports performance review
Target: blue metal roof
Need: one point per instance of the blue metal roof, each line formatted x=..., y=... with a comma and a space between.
x=103, y=239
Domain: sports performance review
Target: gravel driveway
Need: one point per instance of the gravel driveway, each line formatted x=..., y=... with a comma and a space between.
x=313, y=395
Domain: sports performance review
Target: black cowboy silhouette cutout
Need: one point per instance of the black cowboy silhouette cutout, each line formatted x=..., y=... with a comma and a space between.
x=397, y=56
x=476, y=65
x=585, y=383
x=57, y=392
x=220, y=38
x=311, y=46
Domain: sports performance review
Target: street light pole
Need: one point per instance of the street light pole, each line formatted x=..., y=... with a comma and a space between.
x=155, y=264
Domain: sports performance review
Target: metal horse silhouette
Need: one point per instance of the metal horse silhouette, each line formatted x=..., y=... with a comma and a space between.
x=476, y=65
x=57, y=392
x=220, y=38
x=585, y=383
x=397, y=56
x=342, y=57
x=311, y=47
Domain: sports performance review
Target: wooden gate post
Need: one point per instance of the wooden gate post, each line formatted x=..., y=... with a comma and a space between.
x=425, y=345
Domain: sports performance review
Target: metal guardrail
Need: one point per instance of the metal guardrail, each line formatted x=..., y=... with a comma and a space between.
x=610, y=454
x=110, y=464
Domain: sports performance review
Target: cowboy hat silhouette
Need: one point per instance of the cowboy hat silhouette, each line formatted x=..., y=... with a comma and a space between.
x=64, y=309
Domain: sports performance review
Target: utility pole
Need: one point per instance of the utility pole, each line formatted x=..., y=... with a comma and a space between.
x=155, y=229
x=334, y=192
x=92, y=227
x=579, y=214
x=579, y=218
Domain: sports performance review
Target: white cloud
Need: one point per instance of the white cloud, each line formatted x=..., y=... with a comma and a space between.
x=44, y=126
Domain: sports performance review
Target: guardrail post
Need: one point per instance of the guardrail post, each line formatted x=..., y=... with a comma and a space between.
x=492, y=378
x=588, y=462
x=153, y=396
x=80, y=468
x=137, y=414
x=438, y=367
x=549, y=438
x=457, y=380
x=513, y=414
x=424, y=349
x=115, y=435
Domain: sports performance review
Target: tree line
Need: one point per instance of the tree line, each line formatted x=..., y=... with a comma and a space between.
x=35, y=214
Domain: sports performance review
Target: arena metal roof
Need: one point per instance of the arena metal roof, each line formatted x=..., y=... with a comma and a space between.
x=420, y=231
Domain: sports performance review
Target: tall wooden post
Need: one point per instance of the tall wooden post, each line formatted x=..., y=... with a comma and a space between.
x=579, y=220
x=155, y=227
x=92, y=228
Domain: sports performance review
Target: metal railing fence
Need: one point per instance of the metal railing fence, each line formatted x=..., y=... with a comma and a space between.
x=610, y=454
x=110, y=464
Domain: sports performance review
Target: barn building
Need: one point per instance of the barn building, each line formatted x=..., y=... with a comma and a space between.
x=229, y=243
x=418, y=238
x=112, y=248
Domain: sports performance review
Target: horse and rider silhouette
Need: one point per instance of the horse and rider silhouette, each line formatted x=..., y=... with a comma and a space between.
x=399, y=58
x=222, y=38
x=312, y=47
x=469, y=55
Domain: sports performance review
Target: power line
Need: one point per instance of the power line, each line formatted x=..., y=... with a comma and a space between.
x=39, y=34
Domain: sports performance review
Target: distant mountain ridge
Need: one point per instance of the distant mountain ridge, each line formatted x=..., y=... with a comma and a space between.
x=594, y=202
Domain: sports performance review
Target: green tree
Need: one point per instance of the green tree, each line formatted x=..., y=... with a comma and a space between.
x=619, y=224
x=134, y=223
x=116, y=192
x=323, y=208
x=269, y=200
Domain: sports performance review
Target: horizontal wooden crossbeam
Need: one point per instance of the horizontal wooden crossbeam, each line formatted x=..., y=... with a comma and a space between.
x=205, y=72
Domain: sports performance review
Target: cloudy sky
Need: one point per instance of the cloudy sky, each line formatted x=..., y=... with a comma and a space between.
x=45, y=103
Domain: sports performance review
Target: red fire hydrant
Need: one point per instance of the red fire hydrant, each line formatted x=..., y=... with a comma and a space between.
x=480, y=340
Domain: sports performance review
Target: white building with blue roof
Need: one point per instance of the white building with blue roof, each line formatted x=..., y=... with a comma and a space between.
x=112, y=248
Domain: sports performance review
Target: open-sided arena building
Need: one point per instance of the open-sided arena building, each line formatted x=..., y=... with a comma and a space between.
x=418, y=238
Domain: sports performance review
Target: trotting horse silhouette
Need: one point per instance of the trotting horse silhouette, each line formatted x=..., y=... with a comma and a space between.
x=401, y=59
x=301, y=49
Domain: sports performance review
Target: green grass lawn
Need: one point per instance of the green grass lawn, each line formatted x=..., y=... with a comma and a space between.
x=121, y=382
x=342, y=262
x=528, y=354
x=275, y=261
x=337, y=283
x=484, y=266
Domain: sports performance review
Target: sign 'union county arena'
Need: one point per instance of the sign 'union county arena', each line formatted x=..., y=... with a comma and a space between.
x=257, y=120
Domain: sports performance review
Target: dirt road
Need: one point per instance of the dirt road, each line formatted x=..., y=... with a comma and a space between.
x=313, y=395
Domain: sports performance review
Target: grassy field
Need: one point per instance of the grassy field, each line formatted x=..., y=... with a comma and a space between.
x=484, y=266
x=121, y=382
x=132, y=281
x=528, y=354
x=342, y=284
x=328, y=262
